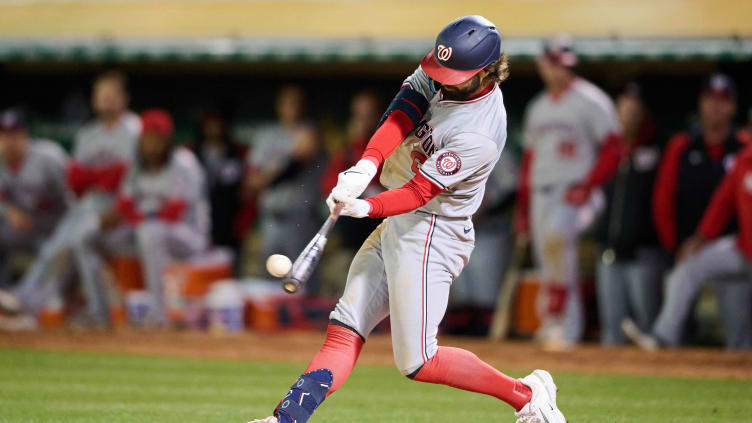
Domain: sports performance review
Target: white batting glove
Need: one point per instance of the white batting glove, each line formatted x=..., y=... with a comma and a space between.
x=355, y=180
x=353, y=206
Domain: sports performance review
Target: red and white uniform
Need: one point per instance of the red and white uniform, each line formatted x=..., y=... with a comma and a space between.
x=407, y=265
x=570, y=140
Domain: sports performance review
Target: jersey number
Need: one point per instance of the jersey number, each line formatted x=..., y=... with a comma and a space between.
x=418, y=159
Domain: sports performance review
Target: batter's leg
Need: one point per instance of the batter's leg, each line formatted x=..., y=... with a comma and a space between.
x=363, y=305
x=423, y=255
x=719, y=259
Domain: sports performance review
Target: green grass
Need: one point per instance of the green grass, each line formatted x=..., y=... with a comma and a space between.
x=46, y=386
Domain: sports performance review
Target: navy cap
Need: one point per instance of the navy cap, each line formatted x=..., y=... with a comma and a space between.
x=12, y=120
x=560, y=49
x=721, y=85
x=463, y=48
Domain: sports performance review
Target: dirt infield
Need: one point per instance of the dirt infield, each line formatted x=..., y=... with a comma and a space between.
x=299, y=347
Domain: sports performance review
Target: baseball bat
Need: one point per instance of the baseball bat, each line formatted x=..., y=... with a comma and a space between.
x=503, y=312
x=306, y=262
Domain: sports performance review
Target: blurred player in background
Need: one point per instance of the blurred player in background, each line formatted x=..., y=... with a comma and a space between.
x=572, y=146
x=710, y=256
x=102, y=152
x=33, y=194
x=631, y=266
x=162, y=213
x=438, y=141
x=692, y=168
x=223, y=160
x=283, y=172
x=365, y=111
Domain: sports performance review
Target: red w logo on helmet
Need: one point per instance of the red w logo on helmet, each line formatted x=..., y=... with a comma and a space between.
x=443, y=52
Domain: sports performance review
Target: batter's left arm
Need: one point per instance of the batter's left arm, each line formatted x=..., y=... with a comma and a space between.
x=403, y=114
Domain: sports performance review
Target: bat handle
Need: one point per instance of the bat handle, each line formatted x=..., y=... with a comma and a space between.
x=337, y=210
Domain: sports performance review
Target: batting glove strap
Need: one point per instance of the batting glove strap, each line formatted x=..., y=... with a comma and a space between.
x=305, y=395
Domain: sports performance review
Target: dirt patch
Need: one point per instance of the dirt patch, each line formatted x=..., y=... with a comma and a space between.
x=300, y=347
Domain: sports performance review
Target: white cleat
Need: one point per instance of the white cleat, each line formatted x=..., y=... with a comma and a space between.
x=642, y=340
x=271, y=419
x=542, y=406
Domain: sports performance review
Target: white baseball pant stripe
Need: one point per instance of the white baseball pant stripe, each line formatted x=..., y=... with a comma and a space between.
x=405, y=270
x=424, y=286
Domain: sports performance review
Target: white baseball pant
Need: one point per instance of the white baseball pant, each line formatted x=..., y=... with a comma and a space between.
x=404, y=270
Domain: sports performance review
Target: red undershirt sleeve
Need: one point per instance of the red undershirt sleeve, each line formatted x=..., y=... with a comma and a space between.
x=388, y=137
x=664, y=192
x=608, y=160
x=721, y=208
x=415, y=194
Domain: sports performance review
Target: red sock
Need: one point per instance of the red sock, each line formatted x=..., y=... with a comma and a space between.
x=462, y=369
x=338, y=354
x=557, y=298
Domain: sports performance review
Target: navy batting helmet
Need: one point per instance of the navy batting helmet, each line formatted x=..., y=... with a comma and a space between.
x=463, y=48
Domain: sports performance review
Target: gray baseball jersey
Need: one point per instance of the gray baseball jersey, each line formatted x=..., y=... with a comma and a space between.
x=97, y=145
x=565, y=133
x=407, y=265
x=456, y=146
x=38, y=187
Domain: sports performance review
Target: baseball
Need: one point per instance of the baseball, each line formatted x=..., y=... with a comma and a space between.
x=278, y=265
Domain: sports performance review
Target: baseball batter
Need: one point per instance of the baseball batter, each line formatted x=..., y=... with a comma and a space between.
x=102, y=152
x=438, y=141
x=572, y=146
